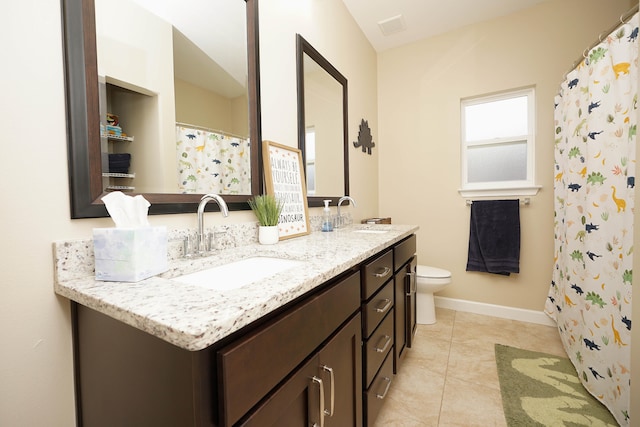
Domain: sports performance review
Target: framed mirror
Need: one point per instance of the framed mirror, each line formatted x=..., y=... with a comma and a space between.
x=109, y=115
x=322, y=125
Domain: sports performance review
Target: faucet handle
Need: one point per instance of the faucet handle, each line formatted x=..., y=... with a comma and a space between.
x=188, y=246
x=204, y=243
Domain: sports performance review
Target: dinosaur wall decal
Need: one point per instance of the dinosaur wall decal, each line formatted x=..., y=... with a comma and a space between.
x=365, y=140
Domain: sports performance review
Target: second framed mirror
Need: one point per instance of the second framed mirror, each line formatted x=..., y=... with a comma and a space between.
x=322, y=125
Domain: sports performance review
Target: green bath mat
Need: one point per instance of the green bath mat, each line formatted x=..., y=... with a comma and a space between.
x=540, y=389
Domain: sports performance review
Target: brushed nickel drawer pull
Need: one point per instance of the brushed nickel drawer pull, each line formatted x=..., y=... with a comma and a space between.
x=387, y=303
x=386, y=344
x=382, y=272
x=386, y=389
x=333, y=391
x=321, y=386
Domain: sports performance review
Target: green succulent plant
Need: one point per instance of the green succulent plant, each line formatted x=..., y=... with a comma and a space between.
x=266, y=208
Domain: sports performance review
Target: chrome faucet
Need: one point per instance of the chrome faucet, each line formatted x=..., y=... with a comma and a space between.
x=203, y=245
x=338, y=223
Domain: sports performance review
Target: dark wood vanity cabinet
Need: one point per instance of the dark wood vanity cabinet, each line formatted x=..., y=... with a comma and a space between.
x=267, y=374
x=326, y=359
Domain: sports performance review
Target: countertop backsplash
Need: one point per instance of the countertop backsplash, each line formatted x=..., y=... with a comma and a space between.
x=74, y=259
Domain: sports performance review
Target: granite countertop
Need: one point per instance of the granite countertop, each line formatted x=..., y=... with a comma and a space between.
x=193, y=317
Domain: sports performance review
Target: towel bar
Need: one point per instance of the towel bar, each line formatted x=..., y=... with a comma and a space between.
x=524, y=202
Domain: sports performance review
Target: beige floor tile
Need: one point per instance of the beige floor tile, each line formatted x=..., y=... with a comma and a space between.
x=449, y=376
x=475, y=328
x=474, y=363
x=427, y=353
x=413, y=400
x=466, y=404
x=539, y=338
x=443, y=328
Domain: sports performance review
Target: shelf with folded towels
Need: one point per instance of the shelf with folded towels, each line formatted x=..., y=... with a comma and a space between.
x=120, y=138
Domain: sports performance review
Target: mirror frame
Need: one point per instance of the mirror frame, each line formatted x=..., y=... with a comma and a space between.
x=83, y=118
x=304, y=47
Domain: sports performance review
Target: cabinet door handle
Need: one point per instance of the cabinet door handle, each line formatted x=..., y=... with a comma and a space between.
x=386, y=389
x=387, y=304
x=321, y=400
x=413, y=283
x=386, y=344
x=333, y=391
x=382, y=272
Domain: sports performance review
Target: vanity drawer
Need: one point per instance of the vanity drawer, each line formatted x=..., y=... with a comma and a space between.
x=375, y=273
x=403, y=252
x=375, y=395
x=248, y=371
x=374, y=311
x=377, y=347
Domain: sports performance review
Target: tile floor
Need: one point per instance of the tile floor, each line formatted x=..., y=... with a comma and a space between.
x=449, y=376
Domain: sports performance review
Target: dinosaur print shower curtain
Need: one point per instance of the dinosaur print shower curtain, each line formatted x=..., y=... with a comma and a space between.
x=590, y=293
x=212, y=162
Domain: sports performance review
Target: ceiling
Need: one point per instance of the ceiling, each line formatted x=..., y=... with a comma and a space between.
x=424, y=18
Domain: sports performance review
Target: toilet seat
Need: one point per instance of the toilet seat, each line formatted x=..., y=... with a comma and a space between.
x=428, y=272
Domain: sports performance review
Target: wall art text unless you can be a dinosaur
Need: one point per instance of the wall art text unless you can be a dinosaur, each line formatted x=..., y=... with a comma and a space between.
x=365, y=140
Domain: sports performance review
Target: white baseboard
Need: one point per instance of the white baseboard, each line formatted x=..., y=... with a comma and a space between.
x=531, y=316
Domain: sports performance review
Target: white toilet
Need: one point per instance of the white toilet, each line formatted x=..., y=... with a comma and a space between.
x=428, y=281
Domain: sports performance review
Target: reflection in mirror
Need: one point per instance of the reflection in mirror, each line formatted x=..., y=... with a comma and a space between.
x=188, y=117
x=176, y=112
x=322, y=122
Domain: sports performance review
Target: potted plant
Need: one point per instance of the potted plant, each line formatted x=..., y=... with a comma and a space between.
x=267, y=209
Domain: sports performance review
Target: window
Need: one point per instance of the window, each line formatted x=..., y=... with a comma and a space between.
x=498, y=144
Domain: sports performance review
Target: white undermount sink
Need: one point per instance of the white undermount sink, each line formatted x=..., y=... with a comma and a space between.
x=236, y=274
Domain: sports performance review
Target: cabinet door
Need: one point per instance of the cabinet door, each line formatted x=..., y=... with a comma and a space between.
x=341, y=372
x=400, y=320
x=296, y=403
x=411, y=289
x=325, y=391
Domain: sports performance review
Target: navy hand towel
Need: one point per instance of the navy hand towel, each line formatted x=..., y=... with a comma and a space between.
x=494, y=237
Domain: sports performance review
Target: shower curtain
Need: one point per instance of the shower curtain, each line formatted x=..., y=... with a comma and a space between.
x=590, y=293
x=211, y=162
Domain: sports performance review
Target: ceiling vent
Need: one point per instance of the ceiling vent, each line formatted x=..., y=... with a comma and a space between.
x=392, y=25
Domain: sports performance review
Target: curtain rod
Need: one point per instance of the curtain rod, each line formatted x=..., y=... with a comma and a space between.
x=624, y=18
x=189, y=125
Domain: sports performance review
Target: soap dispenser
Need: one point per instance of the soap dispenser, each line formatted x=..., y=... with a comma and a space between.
x=327, y=221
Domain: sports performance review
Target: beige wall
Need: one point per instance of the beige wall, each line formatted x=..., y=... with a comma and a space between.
x=328, y=27
x=419, y=88
x=198, y=106
x=148, y=118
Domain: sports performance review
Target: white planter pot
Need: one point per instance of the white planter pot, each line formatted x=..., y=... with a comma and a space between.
x=268, y=235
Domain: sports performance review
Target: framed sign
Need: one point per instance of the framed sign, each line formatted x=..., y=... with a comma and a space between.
x=284, y=178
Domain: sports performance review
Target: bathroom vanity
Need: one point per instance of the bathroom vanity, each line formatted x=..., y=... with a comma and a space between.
x=315, y=344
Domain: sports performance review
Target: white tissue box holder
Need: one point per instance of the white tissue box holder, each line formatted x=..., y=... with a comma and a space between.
x=129, y=254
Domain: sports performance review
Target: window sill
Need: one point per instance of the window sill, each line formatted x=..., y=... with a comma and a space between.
x=501, y=192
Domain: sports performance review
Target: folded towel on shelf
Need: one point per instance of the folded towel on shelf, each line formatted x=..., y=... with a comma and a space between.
x=494, y=237
x=119, y=163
